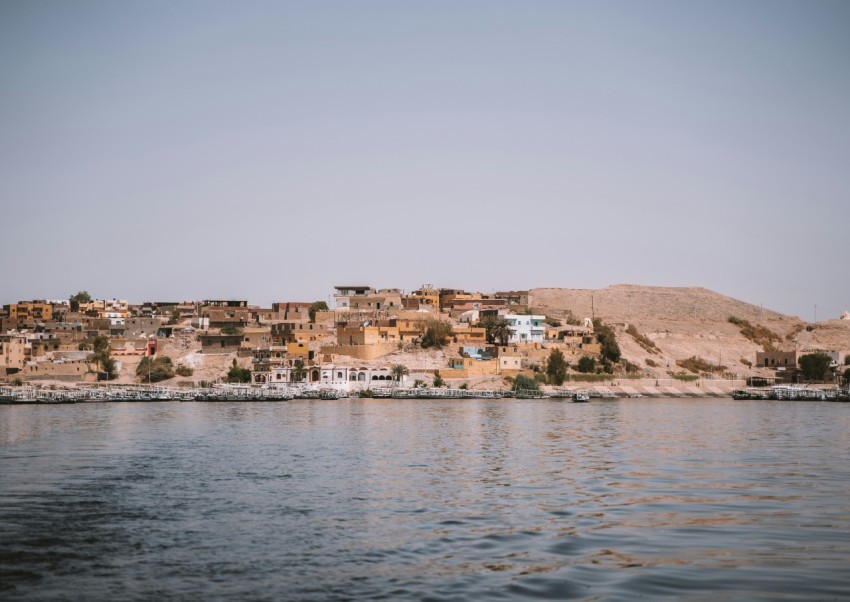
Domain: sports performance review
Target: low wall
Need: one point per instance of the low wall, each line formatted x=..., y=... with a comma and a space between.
x=361, y=352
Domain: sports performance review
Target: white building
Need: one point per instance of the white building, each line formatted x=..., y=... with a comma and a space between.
x=526, y=329
x=344, y=294
x=326, y=375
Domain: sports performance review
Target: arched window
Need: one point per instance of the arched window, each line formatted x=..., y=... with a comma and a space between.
x=361, y=376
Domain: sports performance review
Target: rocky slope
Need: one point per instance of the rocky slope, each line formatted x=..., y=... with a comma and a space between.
x=685, y=322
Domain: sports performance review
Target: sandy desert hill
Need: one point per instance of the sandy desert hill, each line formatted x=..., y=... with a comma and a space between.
x=688, y=321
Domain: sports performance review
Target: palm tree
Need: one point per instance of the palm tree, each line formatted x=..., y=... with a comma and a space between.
x=487, y=323
x=501, y=330
x=399, y=372
x=298, y=371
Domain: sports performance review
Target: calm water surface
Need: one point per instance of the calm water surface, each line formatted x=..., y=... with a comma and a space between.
x=426, y=500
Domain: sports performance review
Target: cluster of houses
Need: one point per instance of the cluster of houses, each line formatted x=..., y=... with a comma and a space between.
x=338, y=343
x=333, y=343
x=52, y=339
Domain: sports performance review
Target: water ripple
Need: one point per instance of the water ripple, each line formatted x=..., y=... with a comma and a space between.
x=395, y=500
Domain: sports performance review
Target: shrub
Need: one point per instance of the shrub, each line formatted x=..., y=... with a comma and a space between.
x=746, y=362
x=685, y=376
x=847, y=376
x=697, y=364
x=464, y=386
x=316, y=307
x=155, y=370
x=540, y=377
x=238, y=375
x=438, y=381
x=522, y=382
x=757, y=334
x=586, y=364
x=629, y=367
x=607, y=340
x=572, y=320
x=652, y=363
x=437, y=333
x=642, y=340
x=184, y=370
x=231, y=330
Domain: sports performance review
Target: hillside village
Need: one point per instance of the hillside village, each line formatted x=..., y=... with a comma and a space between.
x=368, y=337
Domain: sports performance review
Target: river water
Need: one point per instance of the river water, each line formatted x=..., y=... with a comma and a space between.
x=426, y=500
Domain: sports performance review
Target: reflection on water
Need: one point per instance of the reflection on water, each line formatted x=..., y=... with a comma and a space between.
x=437, y=500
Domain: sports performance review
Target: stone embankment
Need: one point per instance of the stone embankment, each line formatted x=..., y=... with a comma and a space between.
x=623, y=388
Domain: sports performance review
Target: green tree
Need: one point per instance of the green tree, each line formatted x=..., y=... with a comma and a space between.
x=437, y=334
x=496, y=328
x=81, y=297
x=231, y=330
x=316, y=307
x=438, y=381
x=607, y=341
x=556, y=367
x=502, y=331
x=815, y=366
x=522, y=382
x=485, y=323
x=108, y=365
x=100, y=343
x=154, y=370
x=238, y=375
x=586, y=364
x=847, y=376
x=298, y=370
x=399, y=371
x=101, y=356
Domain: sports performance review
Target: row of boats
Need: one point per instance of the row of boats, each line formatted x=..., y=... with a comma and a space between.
x=445, y=393
x=793, y=393
x=224, y=392
x=27, y=395
x=153, y=393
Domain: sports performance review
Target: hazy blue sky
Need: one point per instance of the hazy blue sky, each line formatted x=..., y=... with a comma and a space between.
x=269, y=150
